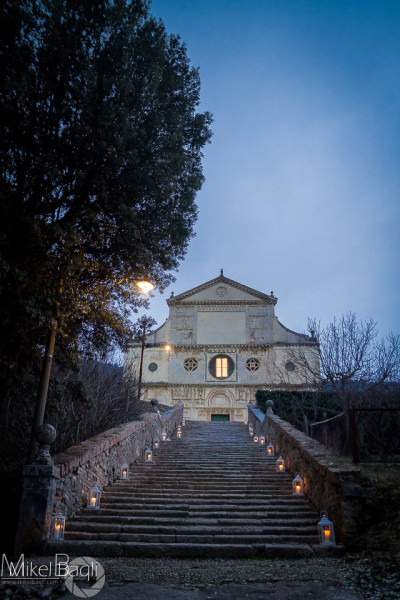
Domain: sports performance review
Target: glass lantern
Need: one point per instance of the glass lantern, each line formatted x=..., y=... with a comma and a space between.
x=125, y=472
x=270, y=450
x=183, y=423
x=262, y=440
x=57, y=527
x=168, y=439
x=94, y=498
x=156, y=442
x=326, y=532
x=148, y=456
x=245, y=421
x=298, y=488
x=164, y=436
x=280, y=465
x=179, y=433
x=255, y=439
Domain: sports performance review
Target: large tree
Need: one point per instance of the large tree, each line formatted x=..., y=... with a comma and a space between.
x=352, y=358
x=100, y=159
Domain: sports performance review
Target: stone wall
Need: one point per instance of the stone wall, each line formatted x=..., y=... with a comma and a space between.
x=331, y=483
x=98, y=461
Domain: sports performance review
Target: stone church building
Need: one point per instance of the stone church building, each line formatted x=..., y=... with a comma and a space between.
x=220, y=344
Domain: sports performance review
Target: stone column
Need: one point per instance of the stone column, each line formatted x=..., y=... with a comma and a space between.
x=39, y=485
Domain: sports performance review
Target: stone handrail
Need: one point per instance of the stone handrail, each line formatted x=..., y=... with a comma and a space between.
x=62, y=483
x=331, y=482
x=98, y=461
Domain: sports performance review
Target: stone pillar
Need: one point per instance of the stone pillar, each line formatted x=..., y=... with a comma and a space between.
x=39, y=485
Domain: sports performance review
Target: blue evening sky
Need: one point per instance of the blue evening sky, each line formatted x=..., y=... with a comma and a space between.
x=302, y=175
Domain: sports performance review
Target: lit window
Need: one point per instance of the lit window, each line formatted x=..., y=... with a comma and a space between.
x=221, y=367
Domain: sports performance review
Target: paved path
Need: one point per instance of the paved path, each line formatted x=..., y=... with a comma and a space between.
x=230, y=591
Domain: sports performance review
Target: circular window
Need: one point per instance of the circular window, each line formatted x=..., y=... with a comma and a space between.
x=221, y=366
x=252, y=364
x=290, y=366
x=190, y=364
x=153, y=367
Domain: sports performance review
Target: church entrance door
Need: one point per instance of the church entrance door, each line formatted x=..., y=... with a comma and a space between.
x=220, y=417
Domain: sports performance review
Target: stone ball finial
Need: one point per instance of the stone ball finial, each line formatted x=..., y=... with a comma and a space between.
x=270, y=405
x=154, y=404
x=45, y=434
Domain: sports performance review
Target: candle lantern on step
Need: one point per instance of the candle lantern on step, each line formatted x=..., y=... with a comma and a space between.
x=148, y=455
x=280, y=465
x=255, y=439
x=57, y=527
x=262, y=440
x=298, y=487
x=164, y=436
x=183, y=423
x=245, y=421
x=125, y=472
x=179, y=433
x=94, y=498
x=156, y=442
x=270, y=449
x=326, y=531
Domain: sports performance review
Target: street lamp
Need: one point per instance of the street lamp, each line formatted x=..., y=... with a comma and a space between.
x=145, y=287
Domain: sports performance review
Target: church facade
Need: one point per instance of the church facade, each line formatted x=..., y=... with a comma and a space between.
x=220, y=344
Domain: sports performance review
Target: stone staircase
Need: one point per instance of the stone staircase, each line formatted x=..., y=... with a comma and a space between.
x=212, y=493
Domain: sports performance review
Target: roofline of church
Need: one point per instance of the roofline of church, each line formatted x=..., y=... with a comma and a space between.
x=308, y=341
x=270, y=299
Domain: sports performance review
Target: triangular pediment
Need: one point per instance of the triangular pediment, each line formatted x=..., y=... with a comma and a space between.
x=221, y=290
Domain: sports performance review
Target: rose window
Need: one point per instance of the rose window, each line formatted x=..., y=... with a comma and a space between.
x=252, y=364
x=190, y=364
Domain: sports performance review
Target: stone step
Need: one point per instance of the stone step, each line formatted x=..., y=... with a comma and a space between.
x=212, y=493
x=179, y=550
x=294, y=538
x=123, y=518
x=270, y=529
x=193, y=514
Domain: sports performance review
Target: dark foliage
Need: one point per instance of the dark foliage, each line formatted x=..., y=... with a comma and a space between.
x=293, y=406
x=100, y=162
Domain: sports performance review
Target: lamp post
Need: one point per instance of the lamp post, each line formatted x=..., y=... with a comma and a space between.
x=144, y=286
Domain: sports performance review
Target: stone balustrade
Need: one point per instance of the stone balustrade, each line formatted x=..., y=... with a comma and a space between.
x=98, y=461
x=62, y=483
x=331, y=483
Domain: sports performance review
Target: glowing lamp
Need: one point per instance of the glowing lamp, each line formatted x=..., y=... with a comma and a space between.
x=245, y=421
x=156, y=442
x=255, y=439
x=280, y=465
x=326, y=532
x=148, y=456
x=262, y=441
x=167, y=347
x=183, y=423
x=164, y=436
x=179, y=433
x=57, y=527
x=94, y=498
x=145, y=286
x=125, y=472
x=298, y=488
x=179, y=427
x=270, y=449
